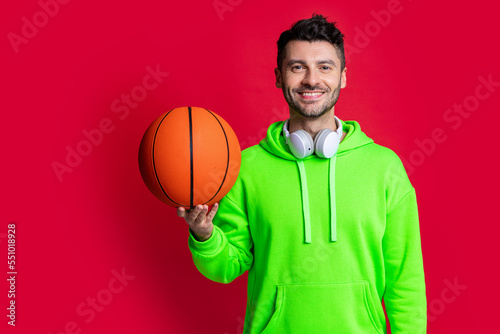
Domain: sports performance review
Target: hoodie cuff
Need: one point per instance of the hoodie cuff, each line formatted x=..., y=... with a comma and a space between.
x=207, y=247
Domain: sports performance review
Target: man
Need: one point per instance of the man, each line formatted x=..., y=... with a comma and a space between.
x=325, y=236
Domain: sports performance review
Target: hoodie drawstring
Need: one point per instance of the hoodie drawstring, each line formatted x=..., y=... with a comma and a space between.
x=333, y=207
x=305, y=200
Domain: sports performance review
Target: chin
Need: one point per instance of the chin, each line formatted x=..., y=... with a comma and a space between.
x=312, y=115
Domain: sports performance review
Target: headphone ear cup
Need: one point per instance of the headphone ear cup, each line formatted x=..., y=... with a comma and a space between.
x=301, y=144
x=326, y=143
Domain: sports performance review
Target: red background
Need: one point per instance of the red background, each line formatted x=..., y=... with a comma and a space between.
x=72, y=233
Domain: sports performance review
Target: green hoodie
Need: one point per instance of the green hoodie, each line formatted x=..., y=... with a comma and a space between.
x=324, y=240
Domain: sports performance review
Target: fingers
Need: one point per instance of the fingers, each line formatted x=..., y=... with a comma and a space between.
x=184, y=213
x=198, y=215
x=212, y=212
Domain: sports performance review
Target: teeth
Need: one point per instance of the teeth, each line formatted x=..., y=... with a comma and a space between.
x=312, y=94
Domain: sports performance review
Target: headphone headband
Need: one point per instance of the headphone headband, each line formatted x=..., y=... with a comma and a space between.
x=286, y=133
x=325, y=144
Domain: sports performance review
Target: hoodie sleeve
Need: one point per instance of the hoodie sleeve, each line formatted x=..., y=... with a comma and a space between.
x=404, y=296
x=227, y=254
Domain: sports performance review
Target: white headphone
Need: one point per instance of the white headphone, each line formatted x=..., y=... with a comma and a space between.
x=325, y=144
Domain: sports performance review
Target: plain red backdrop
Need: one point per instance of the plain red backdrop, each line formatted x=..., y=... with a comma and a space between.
x=67, y=75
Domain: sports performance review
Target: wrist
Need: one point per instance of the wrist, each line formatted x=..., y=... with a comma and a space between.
x=200, y=238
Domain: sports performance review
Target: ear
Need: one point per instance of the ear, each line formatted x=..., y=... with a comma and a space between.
x=277, y=73
x=343, y=78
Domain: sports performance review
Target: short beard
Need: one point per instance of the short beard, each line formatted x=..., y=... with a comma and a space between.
x=319, y=111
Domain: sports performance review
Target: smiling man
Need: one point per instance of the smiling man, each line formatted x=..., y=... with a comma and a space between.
x=315, y=74
x=324, y=219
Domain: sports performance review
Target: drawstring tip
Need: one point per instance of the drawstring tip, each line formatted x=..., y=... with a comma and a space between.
x=307, y=237
x=333, y=234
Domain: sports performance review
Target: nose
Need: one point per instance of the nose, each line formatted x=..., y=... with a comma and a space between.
x=311, y=78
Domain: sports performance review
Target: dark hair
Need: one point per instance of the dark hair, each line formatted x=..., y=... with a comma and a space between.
x=315, y=29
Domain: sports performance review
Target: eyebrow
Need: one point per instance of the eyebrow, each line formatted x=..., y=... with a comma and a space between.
x=319, y=62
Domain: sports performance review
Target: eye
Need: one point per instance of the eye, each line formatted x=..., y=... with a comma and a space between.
x=326, y=68
x=297, y=68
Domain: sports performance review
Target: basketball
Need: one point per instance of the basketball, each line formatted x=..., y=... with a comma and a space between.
x=189, y=156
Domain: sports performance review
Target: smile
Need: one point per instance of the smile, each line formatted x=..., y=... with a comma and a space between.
x=311, y=95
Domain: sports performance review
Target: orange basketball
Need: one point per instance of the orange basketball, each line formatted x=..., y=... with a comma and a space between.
x=189, y=156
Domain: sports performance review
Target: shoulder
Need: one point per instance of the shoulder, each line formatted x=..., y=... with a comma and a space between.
x=385, y=161
x=379, y=157
x=382, y=152
x=253, y=154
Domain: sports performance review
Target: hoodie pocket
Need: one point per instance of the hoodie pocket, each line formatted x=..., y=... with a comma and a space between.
x=324, y=308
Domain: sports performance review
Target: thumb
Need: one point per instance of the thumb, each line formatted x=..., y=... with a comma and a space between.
x=181, y=211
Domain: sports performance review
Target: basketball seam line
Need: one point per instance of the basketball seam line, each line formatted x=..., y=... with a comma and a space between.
x=227, y=165
x=191, y=157
x=154, y=165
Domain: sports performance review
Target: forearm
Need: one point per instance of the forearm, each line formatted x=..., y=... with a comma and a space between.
x=404, y=296
x=218, y=259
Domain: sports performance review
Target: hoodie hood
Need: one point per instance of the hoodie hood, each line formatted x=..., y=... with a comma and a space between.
x=275, y=143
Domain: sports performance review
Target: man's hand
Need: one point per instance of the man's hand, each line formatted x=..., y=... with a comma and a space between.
x=199, y=221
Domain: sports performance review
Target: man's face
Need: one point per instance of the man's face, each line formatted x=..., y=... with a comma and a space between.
x=310, y=77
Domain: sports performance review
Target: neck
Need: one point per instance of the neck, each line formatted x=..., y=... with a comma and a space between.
x=312, y=125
